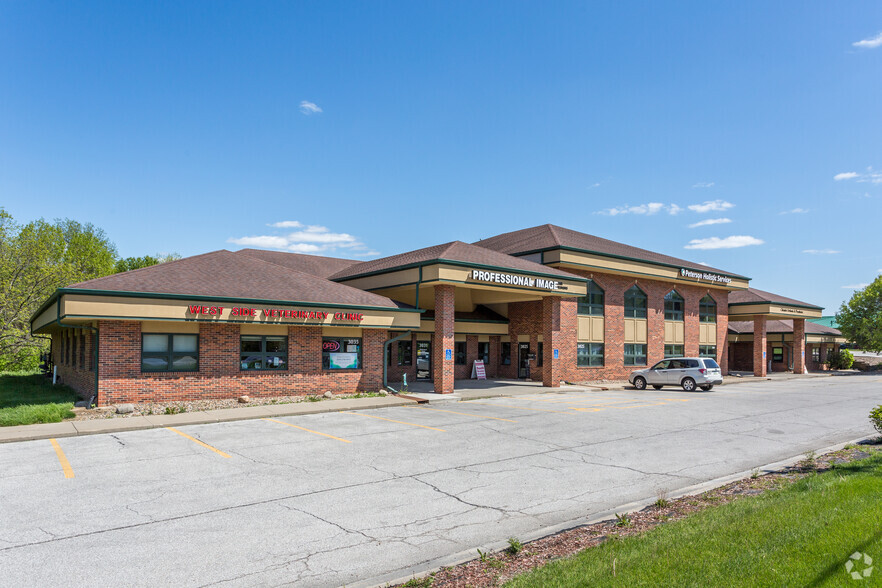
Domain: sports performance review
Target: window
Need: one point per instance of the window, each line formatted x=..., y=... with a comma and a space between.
x=169, y=352
x=405, y=353
x=459, y=353
x=73, y=350
x=711, y=364
x=778, y=354
x=707, y=351
x=635, y=354
x=589, y=354
x=673, y=306
x=341, y=354
x=505, y=354
x=707, y=310
x=592, y=303
x=258, y=352
x=484, y=352
x=662, y=365
x=83, y=351
x=673, y=351
x=539, y=355
x=816, y=353
x=635, y=303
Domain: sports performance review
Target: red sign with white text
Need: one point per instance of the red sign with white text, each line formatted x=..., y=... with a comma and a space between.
x=274, y=313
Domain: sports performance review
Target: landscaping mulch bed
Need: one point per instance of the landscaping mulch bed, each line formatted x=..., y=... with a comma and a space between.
x=495, y=569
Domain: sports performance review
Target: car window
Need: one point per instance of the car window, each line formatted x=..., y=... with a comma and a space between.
x=692, y=363
x=709, y=363
x=662, y=365
x=676, y=364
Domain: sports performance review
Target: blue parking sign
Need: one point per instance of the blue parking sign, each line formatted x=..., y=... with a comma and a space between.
x=557, y=354
x=448, y=354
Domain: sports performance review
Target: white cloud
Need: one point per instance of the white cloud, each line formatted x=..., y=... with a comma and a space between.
x=870, y=176
x=674, y=209
x=710, y=221
x=594, y=185
x=703, y=185
x=795, y=211
x=310, y=239
x=711, y=205
x=870, y=43
x=309, y=108
x=648, y=209
x=726, y=243
x=820, y=251
x=855, y=286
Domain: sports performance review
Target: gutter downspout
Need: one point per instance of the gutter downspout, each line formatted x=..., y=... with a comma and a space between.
x=94, y=399
x=386, y=346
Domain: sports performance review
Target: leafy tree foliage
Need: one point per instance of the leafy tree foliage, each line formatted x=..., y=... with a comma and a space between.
x=35, y=259
x=860, y=319
x=131, y=263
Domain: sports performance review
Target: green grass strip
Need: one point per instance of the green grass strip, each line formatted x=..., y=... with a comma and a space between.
x=28, y=398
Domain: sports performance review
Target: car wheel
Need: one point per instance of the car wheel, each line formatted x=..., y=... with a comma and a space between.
x=640, y=383
x=688, y=384
x=708, y=387
x=656, y=386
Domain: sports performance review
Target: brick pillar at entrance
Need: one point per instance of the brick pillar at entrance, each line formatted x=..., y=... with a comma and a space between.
x=552, y=339
x=759, y=346
x=443, y=341
x=798, y=345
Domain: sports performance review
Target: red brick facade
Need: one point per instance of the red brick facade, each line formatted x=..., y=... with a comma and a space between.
x=72, y=354
x=442, y=342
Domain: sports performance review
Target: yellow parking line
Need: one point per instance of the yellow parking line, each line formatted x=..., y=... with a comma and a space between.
x=62, y=459
x=521, y=408
x=638, y=405
x=206, y=445
x=478, y=416
x=370, y=416
x=307, y=430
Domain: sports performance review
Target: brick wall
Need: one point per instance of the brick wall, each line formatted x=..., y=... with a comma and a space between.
x=219, y=376
x=75, y=368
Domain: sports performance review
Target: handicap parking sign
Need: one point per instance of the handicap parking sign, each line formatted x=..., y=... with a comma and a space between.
x=557, y=354
x=448, y=354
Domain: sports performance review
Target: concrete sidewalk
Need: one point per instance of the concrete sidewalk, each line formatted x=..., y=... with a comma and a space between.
x=117, y=424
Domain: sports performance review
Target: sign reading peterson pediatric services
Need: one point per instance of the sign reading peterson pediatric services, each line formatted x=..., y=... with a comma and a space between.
x=688, y=273
x=515, y=280
x=273, y=313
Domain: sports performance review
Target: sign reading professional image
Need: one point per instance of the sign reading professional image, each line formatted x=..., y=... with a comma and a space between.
x=515, y=280
x=687, y=273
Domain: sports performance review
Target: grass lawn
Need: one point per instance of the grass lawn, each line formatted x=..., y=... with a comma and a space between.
x=800, y=535
x=27, y=398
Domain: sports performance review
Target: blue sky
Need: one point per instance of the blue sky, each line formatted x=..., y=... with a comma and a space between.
x=367, y=129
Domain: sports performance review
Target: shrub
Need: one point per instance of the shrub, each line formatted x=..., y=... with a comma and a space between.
x=840, y=360
x=514, y=546
x=876, y=417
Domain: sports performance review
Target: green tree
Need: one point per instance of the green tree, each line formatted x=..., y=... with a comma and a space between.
x=126, y=264
x=35, y=259
x=860, y=319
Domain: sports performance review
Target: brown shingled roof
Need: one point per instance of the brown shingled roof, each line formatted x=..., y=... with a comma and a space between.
x=754, y=296
x=314, y=265
x=782, y=326
x=453, y=251
x=552, y=237
x=229, y=275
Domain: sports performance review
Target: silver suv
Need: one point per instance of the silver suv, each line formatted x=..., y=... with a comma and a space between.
x=687, y=372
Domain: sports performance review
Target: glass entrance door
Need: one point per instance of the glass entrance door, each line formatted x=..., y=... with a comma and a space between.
x=423, y=360
x=523, y=360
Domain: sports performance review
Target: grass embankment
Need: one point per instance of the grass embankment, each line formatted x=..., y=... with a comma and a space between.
x=799, y=535
x=28, y=398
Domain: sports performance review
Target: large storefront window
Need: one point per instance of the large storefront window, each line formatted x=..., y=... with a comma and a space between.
x=707, y=351
x=169, y=353
x=589, y=354
x=340, y=353
x=707, y=310
x=635, y=303
x=484, y=352
x=405, y=353
x=592, y=303
x=459, y=353
x=263, y=352
x=635, y=354
x=540, y=354
x=674, y=304
x=505, y=358
x=673, y=351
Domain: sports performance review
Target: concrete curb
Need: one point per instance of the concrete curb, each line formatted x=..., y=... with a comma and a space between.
x=424, y=569
x=117, y=425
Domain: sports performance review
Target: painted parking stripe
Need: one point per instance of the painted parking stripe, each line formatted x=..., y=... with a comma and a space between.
x=307, y=430
x=194, y=440
x=521, y=407
x=62, y=459
x=370, y=416
x=478, y=416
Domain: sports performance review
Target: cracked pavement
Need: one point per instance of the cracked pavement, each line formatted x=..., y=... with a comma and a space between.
x=290, y=507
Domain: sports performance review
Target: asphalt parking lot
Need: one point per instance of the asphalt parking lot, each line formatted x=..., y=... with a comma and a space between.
x=363, y=497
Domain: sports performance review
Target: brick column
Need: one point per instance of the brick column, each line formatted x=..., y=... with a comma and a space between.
x=443, y=341
x=552, y=338
x=495, y=350
x=798, y=345
x=691, y=326
x=759, y=346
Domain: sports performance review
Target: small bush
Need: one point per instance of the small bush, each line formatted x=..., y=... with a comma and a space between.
x=840, y=360
x=876, y=417
x=514, y=546
x=623, y=520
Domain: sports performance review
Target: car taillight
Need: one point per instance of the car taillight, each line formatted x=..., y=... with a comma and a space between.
x=703, y=371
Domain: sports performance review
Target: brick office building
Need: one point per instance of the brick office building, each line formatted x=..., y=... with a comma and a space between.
x=546, y=303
